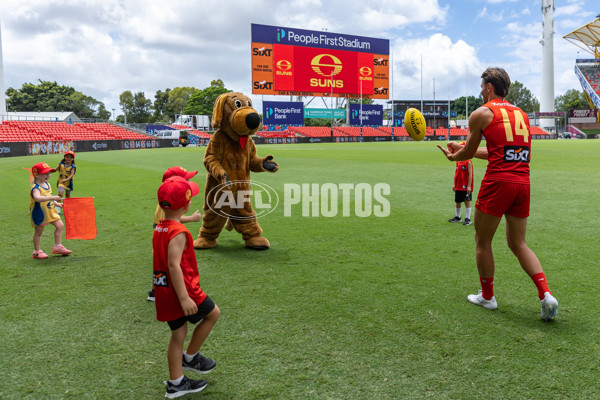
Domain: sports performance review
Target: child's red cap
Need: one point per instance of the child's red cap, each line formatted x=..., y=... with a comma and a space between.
x=41, y=168
x=70, y=153
x=179, y=171
x=176, y=192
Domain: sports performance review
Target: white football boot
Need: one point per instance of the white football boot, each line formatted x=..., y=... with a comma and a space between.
x=478, y=300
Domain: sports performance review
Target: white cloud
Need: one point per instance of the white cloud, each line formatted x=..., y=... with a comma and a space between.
x=443, y=60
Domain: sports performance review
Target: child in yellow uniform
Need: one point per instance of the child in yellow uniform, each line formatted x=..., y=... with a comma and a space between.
x=42, y=208
x=160, y=213
x=66, y=169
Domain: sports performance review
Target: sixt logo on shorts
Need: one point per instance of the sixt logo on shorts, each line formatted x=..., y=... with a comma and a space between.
x=516, y=154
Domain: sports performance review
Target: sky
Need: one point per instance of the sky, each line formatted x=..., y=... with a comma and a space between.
x=103, y=48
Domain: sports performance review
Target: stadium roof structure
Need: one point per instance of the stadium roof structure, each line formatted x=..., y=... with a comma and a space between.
x=65, y=116
x=589, y=35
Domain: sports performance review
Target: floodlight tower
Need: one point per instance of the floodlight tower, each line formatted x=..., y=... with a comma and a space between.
x=2, y=91
x=547, y=97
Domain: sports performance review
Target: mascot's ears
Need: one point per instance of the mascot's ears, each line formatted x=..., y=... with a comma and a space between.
x=218, y=110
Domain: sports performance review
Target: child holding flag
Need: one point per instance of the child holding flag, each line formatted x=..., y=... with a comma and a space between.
x=42, y=208
x=160, y=214
x=179, y=298
x=66, y=169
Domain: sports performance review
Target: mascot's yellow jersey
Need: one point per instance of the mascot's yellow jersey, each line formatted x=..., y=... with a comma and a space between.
x=64, y=172
x=44, y=212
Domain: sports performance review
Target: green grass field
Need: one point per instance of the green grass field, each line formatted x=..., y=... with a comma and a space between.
x=338, y=308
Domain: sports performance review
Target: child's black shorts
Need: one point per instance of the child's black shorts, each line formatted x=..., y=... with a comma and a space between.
x=204, y=309
x=461, y=195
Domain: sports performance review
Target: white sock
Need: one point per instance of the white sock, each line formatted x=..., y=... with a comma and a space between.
x=176, y=382
x=468, y=212
x=188, y=358
x=458, y=212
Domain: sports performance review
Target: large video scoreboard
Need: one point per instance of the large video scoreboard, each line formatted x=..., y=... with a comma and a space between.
x=298, y=62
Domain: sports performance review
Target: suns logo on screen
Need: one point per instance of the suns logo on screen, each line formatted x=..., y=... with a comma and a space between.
x=283, y=68
x=366, y=71
x=328, y=67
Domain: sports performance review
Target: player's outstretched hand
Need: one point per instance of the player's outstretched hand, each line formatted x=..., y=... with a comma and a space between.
x=270, y=165
x=453, y=147
x=446, y=152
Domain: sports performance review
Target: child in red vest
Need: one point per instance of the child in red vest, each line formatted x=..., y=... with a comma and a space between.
x=179, y=298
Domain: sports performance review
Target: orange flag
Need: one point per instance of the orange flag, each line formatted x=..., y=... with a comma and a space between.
x=80, y=218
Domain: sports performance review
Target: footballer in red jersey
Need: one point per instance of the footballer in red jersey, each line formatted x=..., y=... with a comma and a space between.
x=504, y=191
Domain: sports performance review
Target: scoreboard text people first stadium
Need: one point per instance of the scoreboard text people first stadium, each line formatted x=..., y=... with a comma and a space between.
x=297, y=62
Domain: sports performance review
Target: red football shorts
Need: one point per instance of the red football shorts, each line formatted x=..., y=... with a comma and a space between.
x=498, y=198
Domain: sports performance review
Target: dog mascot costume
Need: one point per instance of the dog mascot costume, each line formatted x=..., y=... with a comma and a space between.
x=229, y=158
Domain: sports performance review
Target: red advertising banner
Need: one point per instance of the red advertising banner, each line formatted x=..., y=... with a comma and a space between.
x=308, y=69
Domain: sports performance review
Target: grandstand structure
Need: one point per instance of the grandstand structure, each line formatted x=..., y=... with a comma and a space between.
x=587, y=70
x=58, y=131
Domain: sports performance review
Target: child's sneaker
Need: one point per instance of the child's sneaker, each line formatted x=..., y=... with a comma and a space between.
x=199, y=364
x=185, y=387
x=60, y=249
x=39, y=254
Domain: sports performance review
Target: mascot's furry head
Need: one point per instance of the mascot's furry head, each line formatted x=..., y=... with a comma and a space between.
x=234, y=115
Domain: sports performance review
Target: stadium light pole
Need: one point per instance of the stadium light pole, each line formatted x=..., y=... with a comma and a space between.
x=331, y=104
x=467, y=93
x=421, y=82
x=360, y=114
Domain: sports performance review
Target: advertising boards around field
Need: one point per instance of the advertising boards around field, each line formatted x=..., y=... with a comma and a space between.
x=338, y=113
x=298, y=62
x=372, y=115
x=58, y=147
x=283, y=113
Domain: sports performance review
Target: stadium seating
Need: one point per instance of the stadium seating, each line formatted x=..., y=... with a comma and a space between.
x=37, y=131
x=591, y=73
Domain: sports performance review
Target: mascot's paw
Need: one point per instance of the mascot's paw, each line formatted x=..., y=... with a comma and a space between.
x=203, y=243
x=269, y=164
x=258, y=243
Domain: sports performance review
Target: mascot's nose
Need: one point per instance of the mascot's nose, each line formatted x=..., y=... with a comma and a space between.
x=252, y=120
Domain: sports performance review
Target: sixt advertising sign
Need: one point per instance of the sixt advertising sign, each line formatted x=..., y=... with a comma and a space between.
x=283, y=113
x=372, y=115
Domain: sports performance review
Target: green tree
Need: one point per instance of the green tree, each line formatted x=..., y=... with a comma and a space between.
x=203, y=101
x=572, y=100
x=364, y=100
x=317, y=122
x=126, y=103
x=141, y=108
x=50, y=96
x=522, y=97
x=178, y=99
x=460, y=105
x=161, y=100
